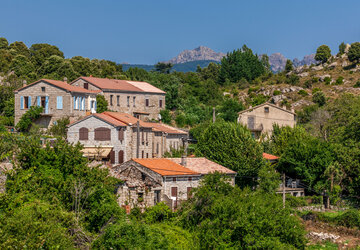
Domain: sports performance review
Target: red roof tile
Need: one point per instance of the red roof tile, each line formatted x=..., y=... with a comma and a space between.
x=126, y=118
x=62, y=85
x=165, y=167
x=202, y=165
x=110, y=120
x=166, y=128
x=270, y=157
x=121, y=85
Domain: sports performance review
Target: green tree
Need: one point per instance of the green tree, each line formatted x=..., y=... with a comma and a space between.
x=323, y=53
x=289, y=65
x=22, y=66
x=19, y=48
x=165, y=116
x=101, y=104
x=354, y=52
x=209, y=72
x=56, y=67
x=240, y=64
x=3, y=43
x=163, y=68
x=39, y=52
x=342, y=48
x=226, y=217
x=229, y=110
x=59, y=128
x=231, y=145
x=319, y=98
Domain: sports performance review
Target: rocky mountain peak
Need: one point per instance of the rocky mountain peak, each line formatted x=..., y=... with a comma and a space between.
x=198, y=54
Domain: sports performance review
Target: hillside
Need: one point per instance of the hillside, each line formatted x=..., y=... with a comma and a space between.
x=296, y=88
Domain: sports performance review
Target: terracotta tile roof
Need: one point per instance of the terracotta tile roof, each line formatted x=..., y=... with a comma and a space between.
x=165, y=167
x=203, y=165
x=110, y=120
x=121, y=85
x=62, y=85
x=126, y=118
x=166, y=128
x=270, y=157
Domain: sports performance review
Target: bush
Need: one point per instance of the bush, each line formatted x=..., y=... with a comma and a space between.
x=339, y=80
x=292, y=201
x=158, y=213
x=276, y=92
x=28, y=118
x=351, y=218
x=314, y=90
x=327, y=80
x=323, y=53
x=293, y=79
x=319, y=98
x=357, y=84
x=165, y=116
x=308, y=84
x=302, y=92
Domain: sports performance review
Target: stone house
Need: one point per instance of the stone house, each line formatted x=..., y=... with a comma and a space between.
x=260, y=119
x=59, y=99
x=139, y=99
x=149, y=181
x=118, y=137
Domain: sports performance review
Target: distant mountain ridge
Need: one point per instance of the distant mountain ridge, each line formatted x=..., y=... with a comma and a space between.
x=188, y=60
x=200, y=53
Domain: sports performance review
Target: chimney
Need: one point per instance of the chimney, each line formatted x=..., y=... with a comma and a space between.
x=183, y=160
x=24, y=83
x=65, y=79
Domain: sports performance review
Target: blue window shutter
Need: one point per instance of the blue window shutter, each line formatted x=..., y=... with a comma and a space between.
x=38, y=100
x=83, y=105
x=59, y=102
x=46, y=105
x=74, y=102
x=21, y=102
x=95, y=106
x=80, y=103
x=29, y=102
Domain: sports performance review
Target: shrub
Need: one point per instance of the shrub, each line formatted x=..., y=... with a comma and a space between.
x=357, y=84
x=59, y=128
x=314, y=90
x=165, y=116
x=292, y=201
x=351, y=218
x=302, y=92
x=277, y=92
x=308, y=84
x=315, y=79
x=293, y=79
x=323, y=53
x=339, y=80
x=28, y=118
x=327, y=80
x=319, y=98
x=158, y=213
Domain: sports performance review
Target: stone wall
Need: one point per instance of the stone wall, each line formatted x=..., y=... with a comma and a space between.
x=265, y=120
x=53, y=113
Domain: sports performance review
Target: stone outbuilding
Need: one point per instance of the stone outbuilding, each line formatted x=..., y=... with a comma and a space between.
x=260, y=119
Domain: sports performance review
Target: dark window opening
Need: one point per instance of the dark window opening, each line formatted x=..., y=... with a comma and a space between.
x=160, y=103
x=83, y=134
x=86, y=85
x=174, y=191
x=118, y=100
x=266, y=109
x=43, y=101
x=147, y=102
x=111, y=100
x=128, y=101
x=26, y=102
x=43, y=89
x=174, y=179
x=134, y=98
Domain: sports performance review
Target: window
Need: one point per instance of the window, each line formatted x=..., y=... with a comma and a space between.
x=111, y=100
x=174, y=191
x=251, y=122
x=174, y=179
x=128, y=101
x=147, y=102
x=121, y=134
x=160, y=103
x=157, y=148
x=266, y=109
x=43, y=101
x=112, y=156
x=86, y=85
x=26, y=102
x=121, y=156
x=118, y=100
x=83, y=134
x=147, y=155
x=42, y=89
x=102, y=134
x=190, y=179
x=134, y=98
x=142, y=154
x=59, y=102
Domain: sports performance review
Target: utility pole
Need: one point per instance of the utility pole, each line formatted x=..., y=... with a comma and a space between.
x=214, y=117
x=283, y=186
x=137, y=139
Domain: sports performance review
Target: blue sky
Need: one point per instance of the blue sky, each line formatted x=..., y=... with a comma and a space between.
x=151, y=31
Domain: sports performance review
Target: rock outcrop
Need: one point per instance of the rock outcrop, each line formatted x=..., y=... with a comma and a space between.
x=198, y=54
